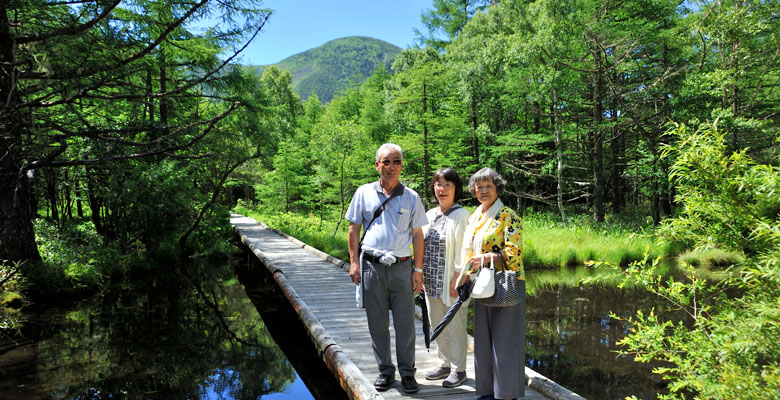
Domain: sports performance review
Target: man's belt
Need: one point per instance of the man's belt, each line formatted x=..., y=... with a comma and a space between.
x=375, y=259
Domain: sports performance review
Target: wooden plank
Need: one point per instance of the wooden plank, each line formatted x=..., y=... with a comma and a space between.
x=319, y=288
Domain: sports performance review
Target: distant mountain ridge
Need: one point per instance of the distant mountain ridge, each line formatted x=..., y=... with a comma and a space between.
x=327, y=69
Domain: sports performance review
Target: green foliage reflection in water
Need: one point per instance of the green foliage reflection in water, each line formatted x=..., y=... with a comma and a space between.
x=178, y=335
x=11, y=301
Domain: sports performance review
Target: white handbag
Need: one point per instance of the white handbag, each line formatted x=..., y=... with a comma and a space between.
x=485, y=284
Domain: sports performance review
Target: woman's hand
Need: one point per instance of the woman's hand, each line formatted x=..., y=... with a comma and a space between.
x=477, y=261
x=455, y=283
x=453, y=288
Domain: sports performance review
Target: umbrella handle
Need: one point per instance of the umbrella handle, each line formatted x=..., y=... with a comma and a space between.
x=481, y=262
x=462, y=272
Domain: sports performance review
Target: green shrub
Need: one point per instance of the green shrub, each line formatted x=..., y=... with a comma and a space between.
x=73, y=259
x=729, y=349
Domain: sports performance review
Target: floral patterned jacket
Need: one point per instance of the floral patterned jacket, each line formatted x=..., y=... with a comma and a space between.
x=505, y=236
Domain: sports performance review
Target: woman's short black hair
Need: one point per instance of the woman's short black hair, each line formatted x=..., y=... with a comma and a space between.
x=448, y=174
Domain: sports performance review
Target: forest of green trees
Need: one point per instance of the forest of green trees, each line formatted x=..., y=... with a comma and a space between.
x=120, y=108
x=128, y=119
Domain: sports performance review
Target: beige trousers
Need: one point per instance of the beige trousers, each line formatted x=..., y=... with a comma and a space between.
x=452, y=342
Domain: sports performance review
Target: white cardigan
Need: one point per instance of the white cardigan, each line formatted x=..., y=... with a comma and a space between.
x=453, y=241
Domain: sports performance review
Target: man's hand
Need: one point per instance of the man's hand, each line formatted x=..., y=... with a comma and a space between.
x=354, y=273
x=417, y=283
x=353, y=243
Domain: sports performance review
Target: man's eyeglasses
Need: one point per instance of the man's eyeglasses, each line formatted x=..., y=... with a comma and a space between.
x=387, y=163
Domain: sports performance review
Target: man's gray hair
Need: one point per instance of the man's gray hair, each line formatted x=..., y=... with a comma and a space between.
x=486, y=174
x=389, y=146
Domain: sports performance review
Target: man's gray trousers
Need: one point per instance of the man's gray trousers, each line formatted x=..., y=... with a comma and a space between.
x=389, y=288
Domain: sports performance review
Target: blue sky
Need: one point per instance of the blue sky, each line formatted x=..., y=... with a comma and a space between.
x=300, y=25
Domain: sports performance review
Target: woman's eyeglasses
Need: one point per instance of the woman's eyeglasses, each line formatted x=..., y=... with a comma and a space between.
x=387, y=163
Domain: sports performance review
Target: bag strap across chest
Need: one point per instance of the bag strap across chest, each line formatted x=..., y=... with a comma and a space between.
x=397, y=191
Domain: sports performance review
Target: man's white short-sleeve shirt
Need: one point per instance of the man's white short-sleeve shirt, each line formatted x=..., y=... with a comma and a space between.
x=392, y=230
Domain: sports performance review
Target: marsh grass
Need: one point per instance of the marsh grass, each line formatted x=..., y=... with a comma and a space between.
x=547, y=243
x=712, y=264
x=711, y=259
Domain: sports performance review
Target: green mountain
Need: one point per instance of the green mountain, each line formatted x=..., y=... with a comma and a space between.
x=327, y=69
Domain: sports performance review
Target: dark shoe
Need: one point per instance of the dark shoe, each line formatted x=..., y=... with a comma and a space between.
x=383, y=382
x=409, y=384
x=455, y=379
x=437, y=373
x=488, y=397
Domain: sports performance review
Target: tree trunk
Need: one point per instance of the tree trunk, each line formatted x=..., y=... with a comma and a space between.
x=655, y=196
x=79, y=202
x=474, y=125
x=17, y=238
x=95, y=202
x=341, y=194
x=163, y=89
x=426, y=164
x=51, y=194
x=617, y=162
x=656, y=210
x=559, y=152
x=595, y=140
x=67, y=212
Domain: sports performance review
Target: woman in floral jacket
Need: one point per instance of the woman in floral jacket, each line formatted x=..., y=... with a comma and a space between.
x=494, y=233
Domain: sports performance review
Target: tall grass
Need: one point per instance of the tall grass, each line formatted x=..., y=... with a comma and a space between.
x=547, y=243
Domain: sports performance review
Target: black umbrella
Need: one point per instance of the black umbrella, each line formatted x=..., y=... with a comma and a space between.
x=464, y=292
x=420, y=299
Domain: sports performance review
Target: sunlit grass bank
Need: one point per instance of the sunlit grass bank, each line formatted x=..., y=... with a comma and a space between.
x=548, y=244
x=306, y=228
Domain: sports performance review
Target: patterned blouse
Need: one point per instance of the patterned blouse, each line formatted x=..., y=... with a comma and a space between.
x=505, y=235
x=434, y=257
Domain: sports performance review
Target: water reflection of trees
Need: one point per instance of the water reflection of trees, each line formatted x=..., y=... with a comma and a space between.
x=572, y=339
x=178, y=335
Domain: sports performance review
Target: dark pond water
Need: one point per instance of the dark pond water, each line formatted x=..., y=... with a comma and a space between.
x=226, y=332
x=572, y=340
x=188, y=334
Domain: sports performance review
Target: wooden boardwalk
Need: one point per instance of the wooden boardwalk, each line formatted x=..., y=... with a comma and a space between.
x=321, y=291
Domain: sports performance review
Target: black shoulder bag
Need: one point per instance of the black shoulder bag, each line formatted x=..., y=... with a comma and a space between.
x=397, y=191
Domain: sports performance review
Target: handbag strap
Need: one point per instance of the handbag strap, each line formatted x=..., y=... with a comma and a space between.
x=466, y=265
x=397, y=191
x=482, y=261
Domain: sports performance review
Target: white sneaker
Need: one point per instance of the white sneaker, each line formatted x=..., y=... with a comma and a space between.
x=437, y=373
x=455, y=379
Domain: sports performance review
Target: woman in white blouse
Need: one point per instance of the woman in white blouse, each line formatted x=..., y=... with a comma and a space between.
x=441, y=260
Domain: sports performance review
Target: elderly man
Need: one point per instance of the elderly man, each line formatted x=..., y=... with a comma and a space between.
x=382, y=266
